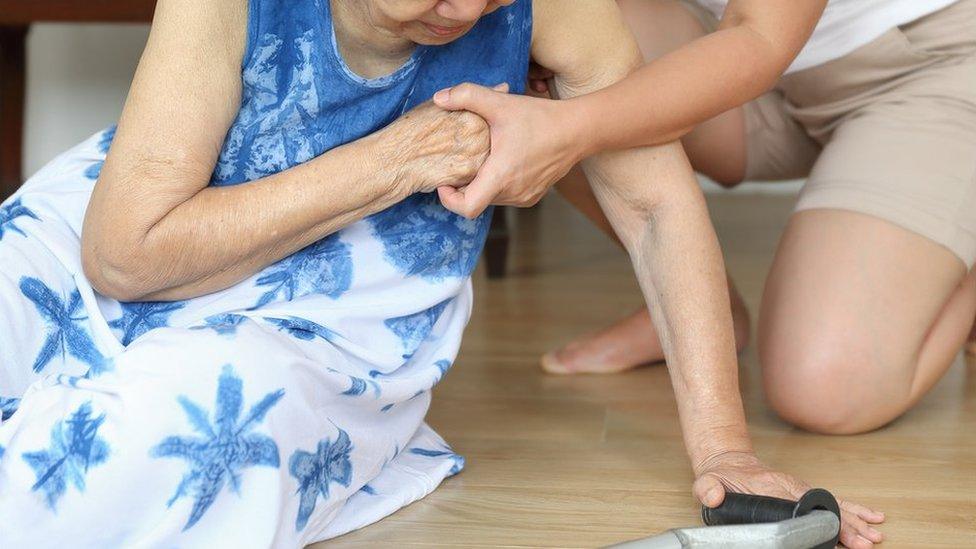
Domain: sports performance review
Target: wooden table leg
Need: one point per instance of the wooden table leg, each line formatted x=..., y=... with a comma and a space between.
x=13, y=66
x=496, y=246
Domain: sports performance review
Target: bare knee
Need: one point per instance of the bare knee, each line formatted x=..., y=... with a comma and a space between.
x=817, y=409
x=829, y=390
x=727, y=176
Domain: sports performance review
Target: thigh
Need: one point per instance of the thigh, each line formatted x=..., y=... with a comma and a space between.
x=848, y=304
x=898, y=117
x=908, y=157
x=777, y=146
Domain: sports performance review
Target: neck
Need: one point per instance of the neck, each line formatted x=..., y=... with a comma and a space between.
x=362, y=36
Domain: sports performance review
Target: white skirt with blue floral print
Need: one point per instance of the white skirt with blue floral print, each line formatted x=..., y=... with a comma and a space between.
x=285, y=410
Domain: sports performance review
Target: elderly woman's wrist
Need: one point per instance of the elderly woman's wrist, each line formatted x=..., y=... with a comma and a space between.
x=388, y=166
x=731, y=441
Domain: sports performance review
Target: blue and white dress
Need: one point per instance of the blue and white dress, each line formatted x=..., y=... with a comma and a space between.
x=284, y=410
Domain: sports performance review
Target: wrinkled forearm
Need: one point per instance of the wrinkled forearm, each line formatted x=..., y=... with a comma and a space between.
x=679, y=265
x=651, y=197
x=222, y=235
x=653, y=201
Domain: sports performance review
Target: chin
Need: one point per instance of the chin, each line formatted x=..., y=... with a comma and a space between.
x=431, y=41
x=421, y=35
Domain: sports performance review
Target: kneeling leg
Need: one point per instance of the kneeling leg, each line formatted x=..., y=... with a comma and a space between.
x=860, y=318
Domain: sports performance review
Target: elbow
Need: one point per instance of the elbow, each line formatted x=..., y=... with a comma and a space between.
x=647, y=210
x=670, y=183
x=114, y=273
x=637, y=220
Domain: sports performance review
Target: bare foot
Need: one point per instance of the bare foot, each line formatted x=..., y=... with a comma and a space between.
x=629, y=343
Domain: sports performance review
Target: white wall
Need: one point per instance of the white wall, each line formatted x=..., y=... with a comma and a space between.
x=78, y=76
x=77, y=79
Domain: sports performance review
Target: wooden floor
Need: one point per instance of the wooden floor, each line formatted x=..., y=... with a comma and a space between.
x=589, y=461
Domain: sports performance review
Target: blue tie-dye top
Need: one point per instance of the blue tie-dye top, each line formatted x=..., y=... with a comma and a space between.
x=300, y=100
x=378, y=286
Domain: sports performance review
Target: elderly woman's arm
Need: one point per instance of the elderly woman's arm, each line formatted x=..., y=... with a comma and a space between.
x=652, y=198
x=156, y=230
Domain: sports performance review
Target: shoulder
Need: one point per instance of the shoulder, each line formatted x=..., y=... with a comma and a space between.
x=583, y=41
x=220, y=12
x=220, y=22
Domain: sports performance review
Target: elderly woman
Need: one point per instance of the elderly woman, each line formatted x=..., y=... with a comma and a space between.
x=241, y=322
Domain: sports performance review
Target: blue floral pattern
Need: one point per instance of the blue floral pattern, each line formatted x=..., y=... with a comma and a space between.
x=443, y=365
x=413, y=329
x=301, y=328
x=274, y=132
x=422, y=238
x=104, y=143
x=8, y=405
x=440, y=453
x=66, y=329
x=142, y=316
x=9, y=214
x=324, y=268
x=75, y=448
x=223, y=447
x=69, y=380
x=228, y=432
x=315, y=471
x=223, y=323
x=359, y=385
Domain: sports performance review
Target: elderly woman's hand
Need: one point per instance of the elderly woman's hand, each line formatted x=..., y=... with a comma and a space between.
x=743, y=472
x=535, y=142
x=429, y=147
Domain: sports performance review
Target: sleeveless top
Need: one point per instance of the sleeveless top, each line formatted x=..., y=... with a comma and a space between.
x=380, y=285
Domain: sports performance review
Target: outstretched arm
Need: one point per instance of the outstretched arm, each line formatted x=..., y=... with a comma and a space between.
x=656, y=207
x=652, y=198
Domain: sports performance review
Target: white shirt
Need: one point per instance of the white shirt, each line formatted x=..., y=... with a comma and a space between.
x=849, y=24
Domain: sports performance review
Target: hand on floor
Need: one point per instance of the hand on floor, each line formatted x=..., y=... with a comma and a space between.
x=743, y=472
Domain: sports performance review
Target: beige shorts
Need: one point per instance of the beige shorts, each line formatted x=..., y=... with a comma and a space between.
x=888, y=130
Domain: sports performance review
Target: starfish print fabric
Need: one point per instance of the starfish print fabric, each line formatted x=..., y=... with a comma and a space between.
x=292, y=402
